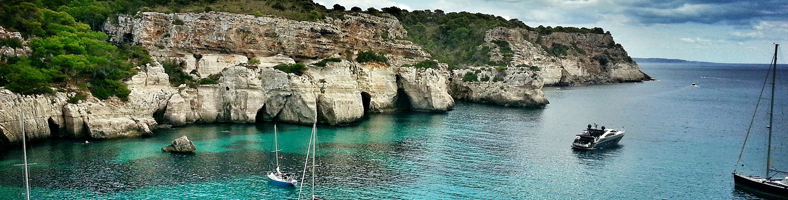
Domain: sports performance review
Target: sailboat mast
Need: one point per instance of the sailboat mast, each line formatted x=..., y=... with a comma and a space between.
x=314, y=149
x=276, y=149
x=771, y=114
x=24, y=150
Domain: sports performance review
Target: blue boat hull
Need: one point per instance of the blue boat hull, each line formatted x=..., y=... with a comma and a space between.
x=281, y=183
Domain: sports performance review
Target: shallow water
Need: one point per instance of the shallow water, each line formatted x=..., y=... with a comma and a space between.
x=682, y=142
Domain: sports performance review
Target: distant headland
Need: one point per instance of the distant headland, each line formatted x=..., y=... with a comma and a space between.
x=666, y=60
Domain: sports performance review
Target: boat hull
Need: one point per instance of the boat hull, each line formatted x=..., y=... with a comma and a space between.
x=761, y=185
x=278, y=181
x=604, y=143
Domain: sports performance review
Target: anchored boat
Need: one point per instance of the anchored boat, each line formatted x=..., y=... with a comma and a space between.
x=597, y=138
x=770, y=185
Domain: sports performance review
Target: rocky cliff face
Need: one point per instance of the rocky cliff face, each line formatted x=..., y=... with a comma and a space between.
x=51, y=115
x=222, y=44
x=13, y=51
x=574, y=58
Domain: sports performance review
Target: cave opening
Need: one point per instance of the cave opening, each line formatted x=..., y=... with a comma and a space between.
x=365, y=99
x=403, y=101
x=260, y=117
x=158, y=116
x=54, y=129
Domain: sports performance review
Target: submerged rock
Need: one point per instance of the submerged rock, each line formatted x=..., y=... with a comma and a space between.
x=180, y=145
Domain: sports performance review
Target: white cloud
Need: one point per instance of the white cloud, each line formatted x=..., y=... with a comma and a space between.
x=696, y=40
x=746, y=36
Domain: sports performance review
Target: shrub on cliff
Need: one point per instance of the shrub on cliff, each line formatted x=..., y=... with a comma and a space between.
x=323, y=62
x=469, y=77
x=427, y=64
x=297, y=69
x=174, y=69
x=369, y=56
x=212, y=79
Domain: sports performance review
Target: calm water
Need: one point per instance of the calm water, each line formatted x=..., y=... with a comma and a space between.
x=682, y=142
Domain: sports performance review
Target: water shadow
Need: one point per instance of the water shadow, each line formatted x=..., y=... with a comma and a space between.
x=598, y=154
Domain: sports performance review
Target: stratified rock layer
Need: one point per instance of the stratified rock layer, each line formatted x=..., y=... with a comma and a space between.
x=223, y=44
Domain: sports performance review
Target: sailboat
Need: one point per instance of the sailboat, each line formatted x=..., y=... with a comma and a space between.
x=279, y=178
x=312, y=147
x=767, y=185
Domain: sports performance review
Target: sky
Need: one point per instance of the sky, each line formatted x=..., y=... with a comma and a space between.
x=724, y=31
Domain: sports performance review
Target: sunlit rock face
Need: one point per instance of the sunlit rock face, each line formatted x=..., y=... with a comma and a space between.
x=583, y=58
x=240, y=52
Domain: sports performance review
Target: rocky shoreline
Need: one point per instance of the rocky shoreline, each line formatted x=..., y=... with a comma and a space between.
x=222, y=44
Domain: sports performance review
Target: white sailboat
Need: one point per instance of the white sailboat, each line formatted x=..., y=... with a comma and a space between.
x=767, y=185
x=279, y=178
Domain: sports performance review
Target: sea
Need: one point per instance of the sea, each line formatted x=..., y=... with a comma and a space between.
x=682, y=141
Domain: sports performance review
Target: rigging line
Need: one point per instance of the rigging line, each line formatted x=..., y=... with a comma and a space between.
x=24, y=148
x=306, y=161
x=752, y=121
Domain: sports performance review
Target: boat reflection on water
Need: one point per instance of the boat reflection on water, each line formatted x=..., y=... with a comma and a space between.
x=592, y=157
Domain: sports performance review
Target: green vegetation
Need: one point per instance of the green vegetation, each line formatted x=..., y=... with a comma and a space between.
x=212, y=79
x=253, y=62
x=323, y=62
x=77, y=97
x=557, y=50
x=297, y=69
x=469, y=77
x=65, y=51
x=369, y=56
x=602, y=60
x=532, y=68
x=427, y=64
x=174, y=69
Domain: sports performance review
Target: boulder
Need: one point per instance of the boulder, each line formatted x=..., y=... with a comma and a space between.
x=180, y=145
x=427, y=89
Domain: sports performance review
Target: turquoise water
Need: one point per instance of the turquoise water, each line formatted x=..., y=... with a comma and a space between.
x=682, y=142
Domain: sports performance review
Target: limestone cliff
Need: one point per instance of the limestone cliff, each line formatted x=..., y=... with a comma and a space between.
x=576, y=58
x=222, y=44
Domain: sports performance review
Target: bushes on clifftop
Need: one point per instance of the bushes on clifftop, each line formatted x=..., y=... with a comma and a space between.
x=297, y=69
x=323, y=62
x=369, y=56
x=65, y=52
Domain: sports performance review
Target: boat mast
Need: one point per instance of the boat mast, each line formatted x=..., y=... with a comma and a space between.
x=314, y=149
x=276, y=149
x=24, y=150
x=771, y=114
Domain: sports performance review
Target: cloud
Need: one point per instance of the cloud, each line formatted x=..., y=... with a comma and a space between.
x=763, y=30
x=696, y=40
x=741, y=13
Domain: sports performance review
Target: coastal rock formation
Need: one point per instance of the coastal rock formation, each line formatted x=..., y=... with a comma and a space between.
x=515, y=87
x=239, y=53
x=223, y=43
x=50, y=115
x=180, y=145
x=567, y=58
x=426, y=89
